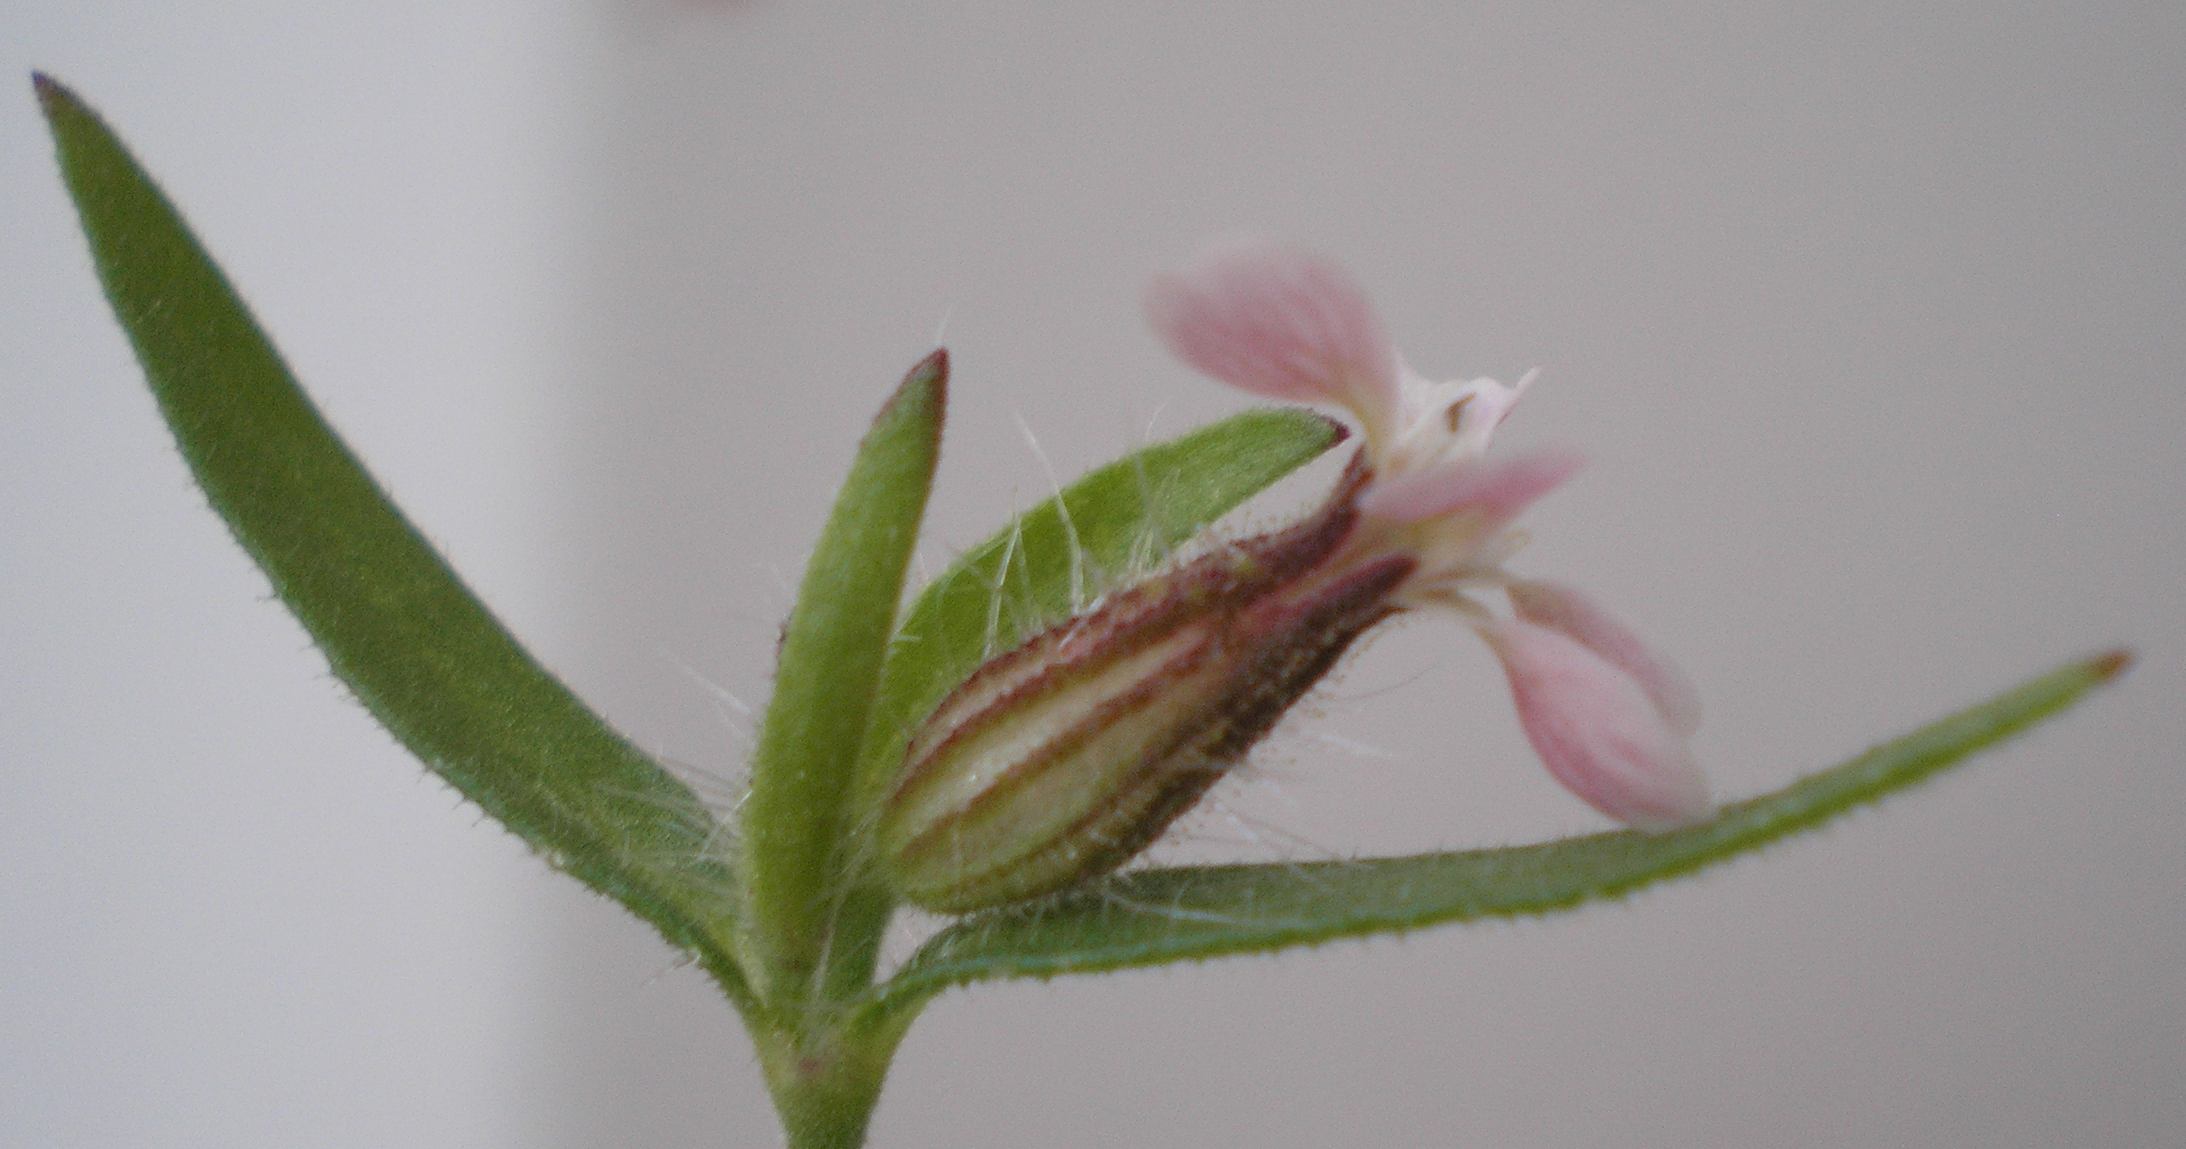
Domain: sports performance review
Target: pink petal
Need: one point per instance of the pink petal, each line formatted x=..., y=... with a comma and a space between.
x=1279, y=323
x=1598, y=731
x=1576, y=616
x=1497, y=491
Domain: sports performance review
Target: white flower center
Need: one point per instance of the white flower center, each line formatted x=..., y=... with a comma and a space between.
x=1439, y=424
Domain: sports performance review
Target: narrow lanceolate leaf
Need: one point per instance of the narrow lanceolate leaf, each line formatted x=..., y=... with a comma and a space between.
x=1165, y=915
x=1113, y=523
x=803, y=773
x=422, y=654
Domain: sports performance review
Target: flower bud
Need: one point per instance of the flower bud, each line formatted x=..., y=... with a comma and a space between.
x=1062, y=759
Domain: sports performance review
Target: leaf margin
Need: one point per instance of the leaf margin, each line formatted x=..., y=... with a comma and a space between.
x=976, y=949
x=228, y=398
x=798, y=814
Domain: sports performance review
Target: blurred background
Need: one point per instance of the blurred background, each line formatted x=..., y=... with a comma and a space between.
x=1870, y=317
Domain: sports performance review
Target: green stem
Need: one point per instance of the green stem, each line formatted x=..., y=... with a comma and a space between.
x=856, y=929
x=826, y=1080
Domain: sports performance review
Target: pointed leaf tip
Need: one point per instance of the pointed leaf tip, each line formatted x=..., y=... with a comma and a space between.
x=56, y=99
x=2106, y=667
x=926, y=381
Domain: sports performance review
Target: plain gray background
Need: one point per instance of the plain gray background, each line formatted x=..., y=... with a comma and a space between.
x=1870, y=317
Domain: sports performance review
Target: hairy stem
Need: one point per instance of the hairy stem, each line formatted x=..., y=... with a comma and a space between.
x=827, y=1078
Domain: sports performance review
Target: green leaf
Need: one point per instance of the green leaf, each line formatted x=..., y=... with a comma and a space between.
x=422, y=654
x=797, y=814
x=1116, y=521
x=1164, y=915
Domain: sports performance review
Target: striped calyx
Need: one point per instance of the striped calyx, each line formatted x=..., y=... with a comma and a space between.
x=1062, y=759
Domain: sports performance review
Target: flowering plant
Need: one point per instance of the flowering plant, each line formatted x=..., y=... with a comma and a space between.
x=999, y=766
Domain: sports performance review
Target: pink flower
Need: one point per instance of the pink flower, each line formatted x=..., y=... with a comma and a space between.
x=1610, y=718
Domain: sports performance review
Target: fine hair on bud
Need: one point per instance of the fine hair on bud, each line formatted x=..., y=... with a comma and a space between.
x=1062, y=759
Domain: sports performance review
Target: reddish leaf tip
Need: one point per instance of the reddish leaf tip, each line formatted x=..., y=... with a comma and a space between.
x=50, y=91
x=929, y=377
x=2109, y=665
